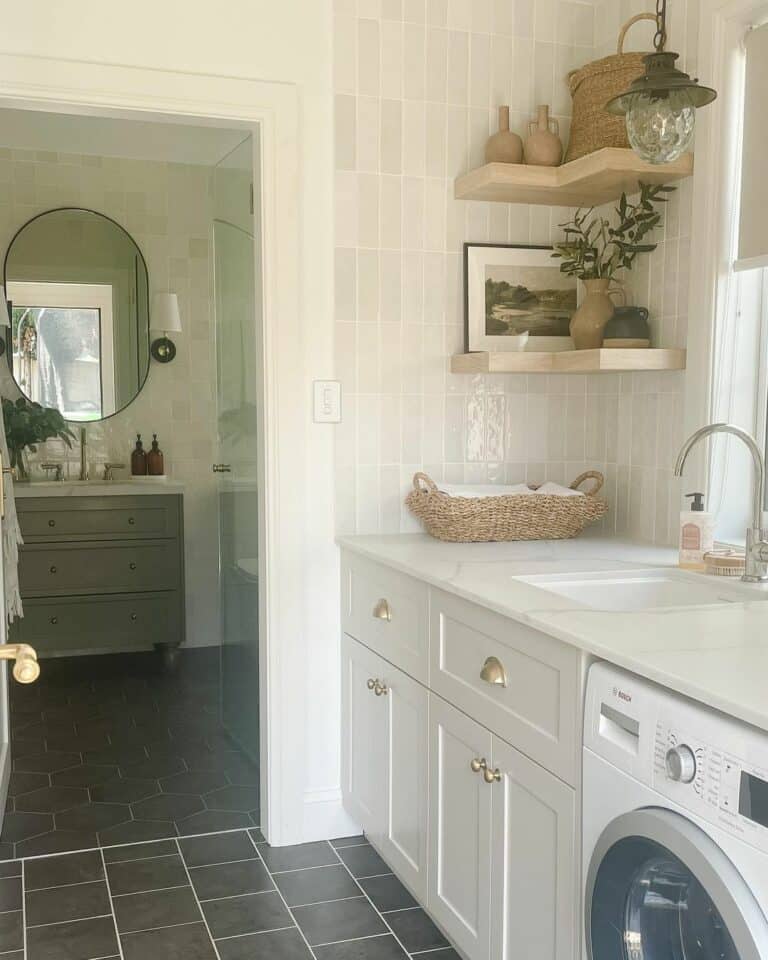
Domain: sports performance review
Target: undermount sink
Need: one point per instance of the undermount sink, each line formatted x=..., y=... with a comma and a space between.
x=650, y=589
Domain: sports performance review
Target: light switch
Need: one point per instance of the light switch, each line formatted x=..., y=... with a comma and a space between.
x=327, y=401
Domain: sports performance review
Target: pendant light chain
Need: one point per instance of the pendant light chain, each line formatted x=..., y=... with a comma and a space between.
x=660, y=38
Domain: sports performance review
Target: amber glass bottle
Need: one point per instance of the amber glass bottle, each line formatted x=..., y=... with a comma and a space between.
x=155, y=465
x=139, y=459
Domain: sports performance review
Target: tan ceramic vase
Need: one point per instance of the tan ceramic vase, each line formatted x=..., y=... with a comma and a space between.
x=504, y=146
x=543, y=148
x=589, y=320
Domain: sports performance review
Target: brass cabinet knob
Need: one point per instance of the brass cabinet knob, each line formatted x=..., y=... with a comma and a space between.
x=51, y=523
x=492, y=776
x=371, y=683
x=382, y=610
x=53, y=569
x=493, y=672
x=380, y=689
x=132, y=565
x=131, y=521
x=134, y=617
x=478, y=764
x=53, y=620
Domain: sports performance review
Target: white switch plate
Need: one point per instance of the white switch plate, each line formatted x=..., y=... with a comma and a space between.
x=327, y=401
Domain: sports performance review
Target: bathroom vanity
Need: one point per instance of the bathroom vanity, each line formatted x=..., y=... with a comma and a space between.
x=101, y=568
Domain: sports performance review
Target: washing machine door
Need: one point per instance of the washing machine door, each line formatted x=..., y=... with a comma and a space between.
x=659, y=888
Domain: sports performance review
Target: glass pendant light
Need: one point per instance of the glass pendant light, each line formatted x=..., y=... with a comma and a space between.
x=660, y=107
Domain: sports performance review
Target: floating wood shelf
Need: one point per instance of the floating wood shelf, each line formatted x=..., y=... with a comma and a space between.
x=614, y=360
x=587, y=182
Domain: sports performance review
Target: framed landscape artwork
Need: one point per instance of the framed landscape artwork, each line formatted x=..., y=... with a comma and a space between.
x=511, y=290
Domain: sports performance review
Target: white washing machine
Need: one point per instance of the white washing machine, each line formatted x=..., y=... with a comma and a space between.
x=675, y=827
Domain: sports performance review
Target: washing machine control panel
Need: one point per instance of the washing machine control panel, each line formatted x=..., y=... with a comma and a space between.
x=713, y=781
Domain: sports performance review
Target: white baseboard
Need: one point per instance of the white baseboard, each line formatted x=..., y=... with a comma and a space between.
x=325, y=817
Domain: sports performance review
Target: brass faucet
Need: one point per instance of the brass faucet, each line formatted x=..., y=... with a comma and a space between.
x=26, y=669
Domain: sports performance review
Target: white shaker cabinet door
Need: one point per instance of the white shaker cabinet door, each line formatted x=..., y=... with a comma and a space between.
x=460, y=828
x=404, y=844
x=533, y=878
x=364, y=723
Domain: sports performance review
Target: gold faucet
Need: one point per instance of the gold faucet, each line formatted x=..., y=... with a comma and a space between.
x=26, y=669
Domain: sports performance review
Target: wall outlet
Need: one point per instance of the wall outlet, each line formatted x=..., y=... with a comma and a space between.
x=327, y=401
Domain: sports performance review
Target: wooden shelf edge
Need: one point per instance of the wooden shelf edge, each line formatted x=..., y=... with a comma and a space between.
x=617, y=360
x=597, y=178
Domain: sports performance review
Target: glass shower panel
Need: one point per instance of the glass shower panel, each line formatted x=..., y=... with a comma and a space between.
x=238, y=392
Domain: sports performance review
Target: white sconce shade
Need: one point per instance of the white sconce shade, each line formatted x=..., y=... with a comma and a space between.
x=165, y=313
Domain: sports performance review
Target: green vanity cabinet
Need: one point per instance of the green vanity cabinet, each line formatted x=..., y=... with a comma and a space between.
x=101, y=573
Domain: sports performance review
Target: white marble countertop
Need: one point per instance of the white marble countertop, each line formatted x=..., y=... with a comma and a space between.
x=95, y=488
x=717, y=654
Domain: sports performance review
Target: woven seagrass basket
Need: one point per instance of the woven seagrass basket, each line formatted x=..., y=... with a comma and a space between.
x=592, y=86
x=511, y=517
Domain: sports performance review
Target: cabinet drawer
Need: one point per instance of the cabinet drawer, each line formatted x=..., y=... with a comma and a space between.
x=537, y=710
x=77, y=568
x=387, y=611
x=99, y=623
x=98, y=518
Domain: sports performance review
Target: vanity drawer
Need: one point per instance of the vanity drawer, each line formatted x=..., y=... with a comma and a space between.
x=387, y=611
x=78, y=568
x=537, y=711
x=99, y=623
x=142, y=517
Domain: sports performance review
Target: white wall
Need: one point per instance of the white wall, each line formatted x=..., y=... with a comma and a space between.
x=167, y=209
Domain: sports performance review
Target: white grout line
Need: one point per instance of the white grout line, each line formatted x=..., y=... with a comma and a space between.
x=322, y=903
x=168, y=926
x=255, y=933
x=138, y=893
x=56, y=923
x=370, y=936
x=421, y=953
x=197, y=900
x=317, y=866
x=23, y=913
x=111, y=906
x=236, y=896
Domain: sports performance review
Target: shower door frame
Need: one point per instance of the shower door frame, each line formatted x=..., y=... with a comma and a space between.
x=273, y=110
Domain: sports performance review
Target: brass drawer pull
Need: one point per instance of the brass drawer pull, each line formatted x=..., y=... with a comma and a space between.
x=493, y=672
x=492, y=776
x=53, y=620
x=134, y=617
x=53, y=570
x=131, y=521
x=380, y=689
x=51, y=523
x=480, y=764
x=371, y=683
x=132, y=565
x=382, y=610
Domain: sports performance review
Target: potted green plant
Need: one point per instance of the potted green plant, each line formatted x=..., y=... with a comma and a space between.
x=27, y=424
x=594, y=251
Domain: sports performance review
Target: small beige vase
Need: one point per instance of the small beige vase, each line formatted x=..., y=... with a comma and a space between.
x=504, y=146
x=544, y=148
x=589, y=320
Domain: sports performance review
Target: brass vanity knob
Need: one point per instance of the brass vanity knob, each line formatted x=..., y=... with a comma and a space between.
x=53, y=620
x=478, y=764
x=51, y=523
x=131, y=521
x=493, y=672
x=371, y=683
x=380, y=689
x=132, y=565
x=382, y=610
x=492, y=776
x=134, y=617
x=53, y=570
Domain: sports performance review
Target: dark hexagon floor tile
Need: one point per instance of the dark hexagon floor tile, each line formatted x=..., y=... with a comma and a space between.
x=43, y=729
x=240, y=771
x=22, y=826
x=7, y=851
x=147, y=733
x=119, y=756
x=153, y=768
x=26, y=748
x=25, y=782
x=167, y=806
x=51, y=799
x=93, y=816
x=57, y=841
x=137, y=831
x=233, y=798
x=77, y=742
x=46, y=762
x=124, y=791
x=196, y=782
x=86, y=775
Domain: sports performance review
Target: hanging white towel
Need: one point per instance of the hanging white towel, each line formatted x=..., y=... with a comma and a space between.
x=483, y=489
x=555, y=490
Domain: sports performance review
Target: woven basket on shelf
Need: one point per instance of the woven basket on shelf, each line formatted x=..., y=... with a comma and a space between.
x=510, y=517
x=592, y=86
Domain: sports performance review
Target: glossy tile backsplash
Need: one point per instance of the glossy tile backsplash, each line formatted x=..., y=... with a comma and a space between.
x=417, y=85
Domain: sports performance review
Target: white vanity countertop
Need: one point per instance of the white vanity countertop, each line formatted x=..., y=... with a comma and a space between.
x=717, y=654
x=95, y=488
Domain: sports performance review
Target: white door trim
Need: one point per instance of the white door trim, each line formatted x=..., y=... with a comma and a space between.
x=107, y=90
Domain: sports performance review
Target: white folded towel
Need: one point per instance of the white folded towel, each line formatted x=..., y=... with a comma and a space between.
x=483, y=489
x=555, y=490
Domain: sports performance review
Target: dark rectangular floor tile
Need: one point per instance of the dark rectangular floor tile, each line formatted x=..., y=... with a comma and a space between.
x=415, y=930
x=157, y=873
x=249, y=914
x=57, y=841
x=79, y=940
x=298, y=857
x=190, y=942
x=372, y=948
x=218, y=848
x=355, y=841
x=59, y=904
x=10, y=893
x=316, y=885
x=363, y=861
x=278, y=945
x=160, y=908
x=64, y=869
x=342, y=920
x=387, y=893
x=446, y=953
x=11, y=931
x=140, y=851
x=230, y=879
x=10, y=868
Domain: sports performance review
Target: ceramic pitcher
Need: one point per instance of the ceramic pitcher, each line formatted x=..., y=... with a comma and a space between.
x=589, y=320
x=543, y=148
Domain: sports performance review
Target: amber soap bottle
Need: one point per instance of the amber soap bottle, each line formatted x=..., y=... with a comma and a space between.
x=139, y=459
x=155, y=465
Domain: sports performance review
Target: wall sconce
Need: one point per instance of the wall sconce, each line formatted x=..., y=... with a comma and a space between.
x=165, y=319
